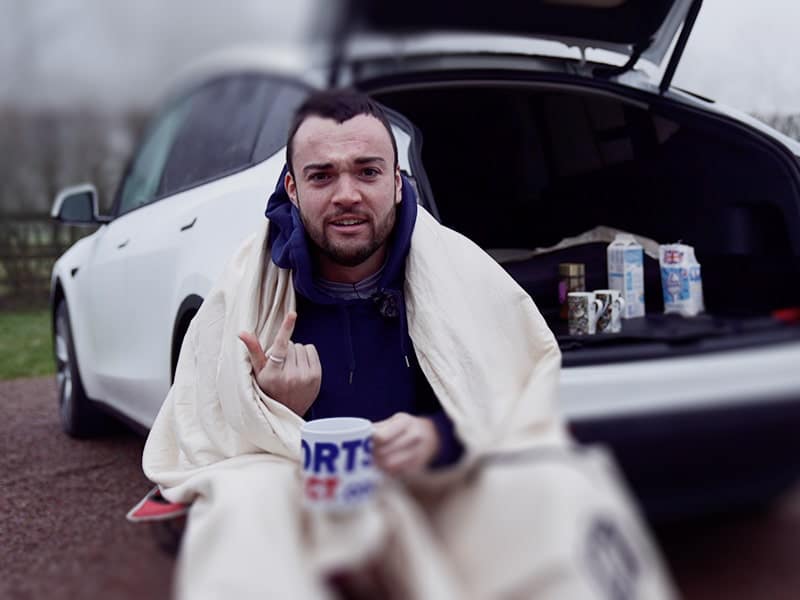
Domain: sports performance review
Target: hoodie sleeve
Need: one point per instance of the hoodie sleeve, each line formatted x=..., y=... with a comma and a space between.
x=450, y=449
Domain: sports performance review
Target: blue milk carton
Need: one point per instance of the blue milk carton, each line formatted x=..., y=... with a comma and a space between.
x=626, y=273
x=681, y=281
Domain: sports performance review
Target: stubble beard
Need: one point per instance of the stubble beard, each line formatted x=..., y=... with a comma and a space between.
x=348, y=256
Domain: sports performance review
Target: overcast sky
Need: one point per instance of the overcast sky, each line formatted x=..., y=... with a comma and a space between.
x=745, y=54
x=117, y=52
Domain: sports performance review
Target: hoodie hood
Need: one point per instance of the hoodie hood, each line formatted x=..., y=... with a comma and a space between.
x=289, y=244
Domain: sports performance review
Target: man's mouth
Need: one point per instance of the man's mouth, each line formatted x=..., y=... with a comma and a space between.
x=347, y=222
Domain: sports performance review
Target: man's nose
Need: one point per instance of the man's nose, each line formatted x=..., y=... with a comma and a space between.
x=347, y=191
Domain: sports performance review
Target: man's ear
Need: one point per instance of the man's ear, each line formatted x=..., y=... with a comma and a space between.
x=398, y=187
x=290, y=187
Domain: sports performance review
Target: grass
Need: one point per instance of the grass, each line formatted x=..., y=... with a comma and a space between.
x=26, y=347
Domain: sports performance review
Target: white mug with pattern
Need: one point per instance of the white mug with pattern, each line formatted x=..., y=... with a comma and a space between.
x=583, y=311
x=610, y=319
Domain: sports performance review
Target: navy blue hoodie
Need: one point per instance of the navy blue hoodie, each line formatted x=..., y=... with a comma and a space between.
x=369, y=368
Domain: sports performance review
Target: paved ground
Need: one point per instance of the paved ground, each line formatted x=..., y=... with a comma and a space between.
x=63, y=532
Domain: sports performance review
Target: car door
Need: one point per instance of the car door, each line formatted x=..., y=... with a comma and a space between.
x=108, y=287
x=209, y=196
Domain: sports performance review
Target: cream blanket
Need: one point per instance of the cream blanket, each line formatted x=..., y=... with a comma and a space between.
x=514, y=519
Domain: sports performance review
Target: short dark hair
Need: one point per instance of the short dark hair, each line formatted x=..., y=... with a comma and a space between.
x=340, y=105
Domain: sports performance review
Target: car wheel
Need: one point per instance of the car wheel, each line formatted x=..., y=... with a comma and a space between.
x=80, y=417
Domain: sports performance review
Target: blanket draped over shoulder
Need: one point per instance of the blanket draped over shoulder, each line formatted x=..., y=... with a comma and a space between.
x=496, y=525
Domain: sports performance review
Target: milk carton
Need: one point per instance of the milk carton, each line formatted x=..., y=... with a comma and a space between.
x=681, y=281
x=626, y=273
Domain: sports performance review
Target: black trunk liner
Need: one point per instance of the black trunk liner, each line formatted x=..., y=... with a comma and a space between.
x=671, y=328
x=664, y=336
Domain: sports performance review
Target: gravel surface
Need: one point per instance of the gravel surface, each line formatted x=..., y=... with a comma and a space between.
x=63, y=532
x=738, y=557
x=62, y=507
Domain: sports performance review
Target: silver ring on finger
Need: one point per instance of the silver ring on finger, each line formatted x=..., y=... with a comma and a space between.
x=277, y=359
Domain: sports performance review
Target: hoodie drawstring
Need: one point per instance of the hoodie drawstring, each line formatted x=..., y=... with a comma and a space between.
x=403, y=330
x=349, y=335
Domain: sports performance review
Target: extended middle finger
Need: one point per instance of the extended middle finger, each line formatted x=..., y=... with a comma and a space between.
x=302, y=357
x=291, y=355
x=313, y=358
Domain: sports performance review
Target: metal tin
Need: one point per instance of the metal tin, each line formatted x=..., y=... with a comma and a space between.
x=571, y=278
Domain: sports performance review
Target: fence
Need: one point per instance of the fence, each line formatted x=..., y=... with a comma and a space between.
x=29, y=245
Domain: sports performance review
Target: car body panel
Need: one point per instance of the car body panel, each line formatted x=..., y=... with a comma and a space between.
x=682, y=384
x=123, y=335
x=104, y=291
x=305, y=65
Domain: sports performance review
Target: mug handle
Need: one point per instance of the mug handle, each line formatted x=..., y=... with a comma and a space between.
x=603, y=305
x=598, y=310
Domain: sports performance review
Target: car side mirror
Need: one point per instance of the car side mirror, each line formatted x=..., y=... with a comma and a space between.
x=77, y=205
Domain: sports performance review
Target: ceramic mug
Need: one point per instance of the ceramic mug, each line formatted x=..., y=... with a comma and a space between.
x=338, y=471
x=610, y=319
x=583, y=311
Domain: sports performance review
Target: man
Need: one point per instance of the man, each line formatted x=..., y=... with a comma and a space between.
x=346, y=251
x=354, y=301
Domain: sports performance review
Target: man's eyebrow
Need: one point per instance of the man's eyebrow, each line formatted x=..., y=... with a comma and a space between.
x=317, y=166
x=368, y=159
x=361, y=160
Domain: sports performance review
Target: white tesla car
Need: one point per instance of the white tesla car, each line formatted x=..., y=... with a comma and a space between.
x=540, y=122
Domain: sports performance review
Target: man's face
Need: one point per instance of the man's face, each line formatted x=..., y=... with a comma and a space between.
x=346, y=188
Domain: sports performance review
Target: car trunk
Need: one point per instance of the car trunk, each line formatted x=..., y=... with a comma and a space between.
x=520, y=167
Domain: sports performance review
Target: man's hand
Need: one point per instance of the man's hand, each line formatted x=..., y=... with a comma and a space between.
x=404, y=444
x=288, y=372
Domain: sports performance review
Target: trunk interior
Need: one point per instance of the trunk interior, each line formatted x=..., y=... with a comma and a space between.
x=523, y=167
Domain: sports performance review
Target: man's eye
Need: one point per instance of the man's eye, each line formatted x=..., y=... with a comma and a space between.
x=370, y=172
x=318, y=177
